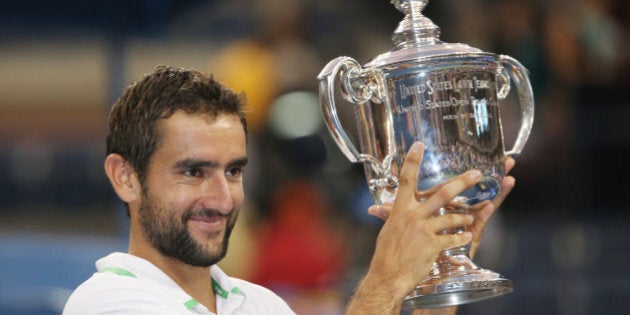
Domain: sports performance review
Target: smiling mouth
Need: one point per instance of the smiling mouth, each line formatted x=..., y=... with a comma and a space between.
x=208, y=216
x=208, y=219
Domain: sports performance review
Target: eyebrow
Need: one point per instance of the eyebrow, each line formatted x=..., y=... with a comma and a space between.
x=238, y=162
x=198, y=163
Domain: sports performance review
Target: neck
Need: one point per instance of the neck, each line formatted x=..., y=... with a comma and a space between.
x=195, y=281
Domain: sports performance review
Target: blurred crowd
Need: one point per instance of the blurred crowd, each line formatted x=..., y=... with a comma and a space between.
x=306, y=233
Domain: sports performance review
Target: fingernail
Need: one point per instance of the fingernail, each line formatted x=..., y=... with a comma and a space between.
x=509, y=182
x=382, y=212
x=415, y=147
x=475, y=175
x=467, y=235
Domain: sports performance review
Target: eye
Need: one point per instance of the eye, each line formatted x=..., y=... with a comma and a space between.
x=235, y=171
x=193, y=172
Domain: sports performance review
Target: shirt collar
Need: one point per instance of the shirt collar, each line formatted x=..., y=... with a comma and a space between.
x=229, y=296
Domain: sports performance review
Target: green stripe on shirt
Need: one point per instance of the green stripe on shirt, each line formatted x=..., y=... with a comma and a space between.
x=191, y=303
x=118, y=271
x=219, y=290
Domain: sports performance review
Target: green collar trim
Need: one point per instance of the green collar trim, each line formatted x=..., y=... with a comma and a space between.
x=191, y=303
x=221, y=292
x=118, y=271
x=236, y=290
x=218, y=289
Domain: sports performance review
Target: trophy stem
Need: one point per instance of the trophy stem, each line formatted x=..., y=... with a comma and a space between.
x=455, y=279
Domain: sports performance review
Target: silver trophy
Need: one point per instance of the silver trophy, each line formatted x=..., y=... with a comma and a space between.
x=448, y=96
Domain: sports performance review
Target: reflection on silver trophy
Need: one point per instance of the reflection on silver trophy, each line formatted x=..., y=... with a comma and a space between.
x=447, y=96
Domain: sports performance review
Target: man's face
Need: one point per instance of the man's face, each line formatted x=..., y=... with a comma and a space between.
x=193, y=190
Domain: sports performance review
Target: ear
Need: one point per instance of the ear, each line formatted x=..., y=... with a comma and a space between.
x=123, y=178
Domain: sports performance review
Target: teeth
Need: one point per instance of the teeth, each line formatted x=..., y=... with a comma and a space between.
x=208, y=215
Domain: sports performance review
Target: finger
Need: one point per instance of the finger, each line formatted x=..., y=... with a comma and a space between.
x=484, y=211
x=481, y=218
x=422, y=195
x=452, y=189
x=450, y=221
x=382, y=212
x=408, y=179
x=425, y=193
x=479, y=206
x=477, y=228
x=509, y=164
x=506, y=187
x=455, y=240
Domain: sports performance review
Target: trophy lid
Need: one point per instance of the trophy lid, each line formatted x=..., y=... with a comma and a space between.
x=417, y=37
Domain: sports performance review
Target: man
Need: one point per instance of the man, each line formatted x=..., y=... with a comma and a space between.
x=176, y=153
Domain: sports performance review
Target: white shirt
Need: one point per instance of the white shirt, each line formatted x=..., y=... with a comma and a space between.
x=126, y=284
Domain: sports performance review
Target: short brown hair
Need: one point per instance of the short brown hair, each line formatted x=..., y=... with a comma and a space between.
x=134, y=118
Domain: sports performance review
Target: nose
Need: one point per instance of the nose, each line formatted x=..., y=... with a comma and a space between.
x=217, y=194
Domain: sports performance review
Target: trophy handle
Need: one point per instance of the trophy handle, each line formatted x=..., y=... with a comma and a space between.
x=519, y=76
x=358, y=87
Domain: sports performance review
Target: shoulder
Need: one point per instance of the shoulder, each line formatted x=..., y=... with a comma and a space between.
x=257, y=299
x=112, y=293
x=255, y=289
x=264, y=300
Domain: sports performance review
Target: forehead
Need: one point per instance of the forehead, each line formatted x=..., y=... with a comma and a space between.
x=184, y=132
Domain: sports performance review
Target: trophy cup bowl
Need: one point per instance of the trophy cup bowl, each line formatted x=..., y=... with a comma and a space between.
x=448, y=96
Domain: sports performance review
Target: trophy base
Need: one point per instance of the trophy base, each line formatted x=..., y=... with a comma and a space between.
x=473, y=286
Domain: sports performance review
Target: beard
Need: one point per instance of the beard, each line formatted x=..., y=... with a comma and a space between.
x=170, y=236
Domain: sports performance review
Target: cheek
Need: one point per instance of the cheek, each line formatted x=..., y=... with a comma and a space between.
x=178, y=199
x=238, y=195
x=184, y=200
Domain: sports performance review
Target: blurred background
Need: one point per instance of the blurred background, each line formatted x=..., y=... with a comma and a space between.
x=560, y=237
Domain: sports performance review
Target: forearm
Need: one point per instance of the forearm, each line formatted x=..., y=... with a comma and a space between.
x=374, y=297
